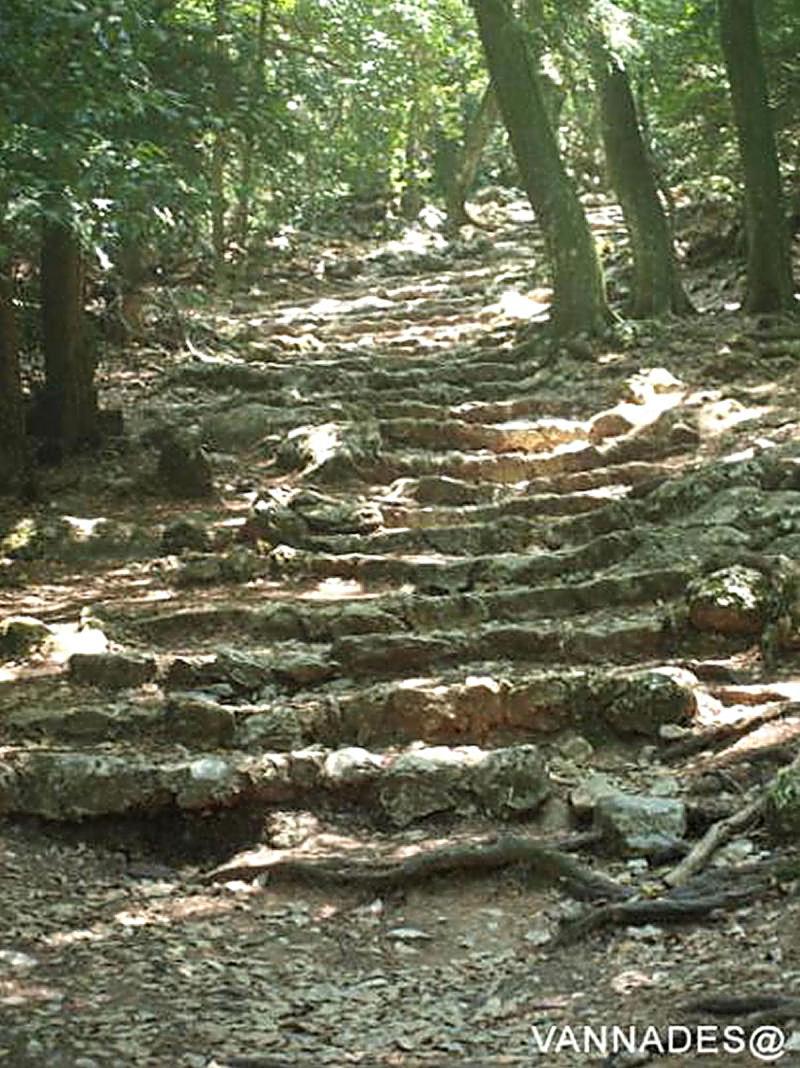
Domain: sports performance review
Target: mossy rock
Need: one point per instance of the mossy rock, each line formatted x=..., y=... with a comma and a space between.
x=21, y=635
x=782, y=809
x=733, y=600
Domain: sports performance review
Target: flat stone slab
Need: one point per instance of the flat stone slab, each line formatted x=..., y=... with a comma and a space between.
x=75, y=785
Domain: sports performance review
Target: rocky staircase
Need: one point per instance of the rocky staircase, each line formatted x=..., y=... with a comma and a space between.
x=438, y=548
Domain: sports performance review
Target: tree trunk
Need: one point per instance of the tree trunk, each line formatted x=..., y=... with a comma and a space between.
x=579, y=303
x=132, y=273
x=411, y=199
x=657, y=288
x=769, y=268
x=12, y=424
x=246, y=181
x=219, y=150
x=459, y=182
x=70, y=402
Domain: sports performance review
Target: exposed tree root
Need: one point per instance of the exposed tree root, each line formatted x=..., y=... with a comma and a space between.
x=674, y=908
x=714, y=737
x=715, y=836
x=545, y=861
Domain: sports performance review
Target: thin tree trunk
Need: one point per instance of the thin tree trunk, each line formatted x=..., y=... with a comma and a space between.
x=132, y=276
x=12, y=424
x=656, y=165
x=244, y=205
x=579, y=303
x=459, y=183
x=769, y=268
x=411, y=197
x=657, y=288
x=219, y=150
x=70, y=416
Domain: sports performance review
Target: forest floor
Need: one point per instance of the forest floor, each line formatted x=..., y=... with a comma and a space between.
x=483, y=525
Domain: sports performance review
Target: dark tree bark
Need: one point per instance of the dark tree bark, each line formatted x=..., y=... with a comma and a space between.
x=579, y=303
x=249, y=164
x=657, y=288
x=12, y=424
x=769, y=269
x=411, y=199
x=69, y=418
x=458, y=178
x=132, y=272
x=219, y=150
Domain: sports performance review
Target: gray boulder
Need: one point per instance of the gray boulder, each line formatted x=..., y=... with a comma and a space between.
x=640, y=826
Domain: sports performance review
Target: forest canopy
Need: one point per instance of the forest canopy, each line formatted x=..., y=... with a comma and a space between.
x=139, y=135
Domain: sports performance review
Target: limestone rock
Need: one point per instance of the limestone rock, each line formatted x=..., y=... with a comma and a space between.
x=183, y=535
x=243, y=672
x=330, y=515
x=238, y=565
x=586, y=795
x=65, y=786
x=183, y=467
x=509, y=781
x=274, y=522
x=331, y=452
x=242, y=427
x=635, y=825
x=463, y=779
x=424, y=781
x=352, y=766
x=194, y=719
x=21, y=635
x=782, y=808
x=733, y=600
x=302, y=669
x=646, y=701
x=277, y=729
x=208, y=782
x=111, y=671
x=203, y=570
x=364, y=654
x=9, y=801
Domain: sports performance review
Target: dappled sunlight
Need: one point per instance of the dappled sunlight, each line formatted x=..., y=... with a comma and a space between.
x=334, y=589
x=718, y=416
x=69, y=638
x=22, y=992
x=400, y=574
x=516, y=305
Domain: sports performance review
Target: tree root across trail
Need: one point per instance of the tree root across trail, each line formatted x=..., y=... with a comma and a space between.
x=724, y=889
x=544, y=861
x=691, y=896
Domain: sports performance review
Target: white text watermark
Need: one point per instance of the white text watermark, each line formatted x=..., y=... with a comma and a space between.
x=766, y=1043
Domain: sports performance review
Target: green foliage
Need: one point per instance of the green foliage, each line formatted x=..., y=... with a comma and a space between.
x=119, y=106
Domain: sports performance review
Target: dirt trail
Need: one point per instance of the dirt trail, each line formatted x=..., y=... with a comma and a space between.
x=430, y=525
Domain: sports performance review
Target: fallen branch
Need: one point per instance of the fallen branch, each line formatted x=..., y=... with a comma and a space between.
x=717, y=834
x=545, y=861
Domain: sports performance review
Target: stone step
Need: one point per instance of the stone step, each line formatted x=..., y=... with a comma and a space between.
x=507, y=534
x=524, y=505
x=520, y=435
x=379, y=372
x=605, y=638
x=503, y=583
x=514, y=577
x=395, y=789
x=574, y=458
x=227, y=708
